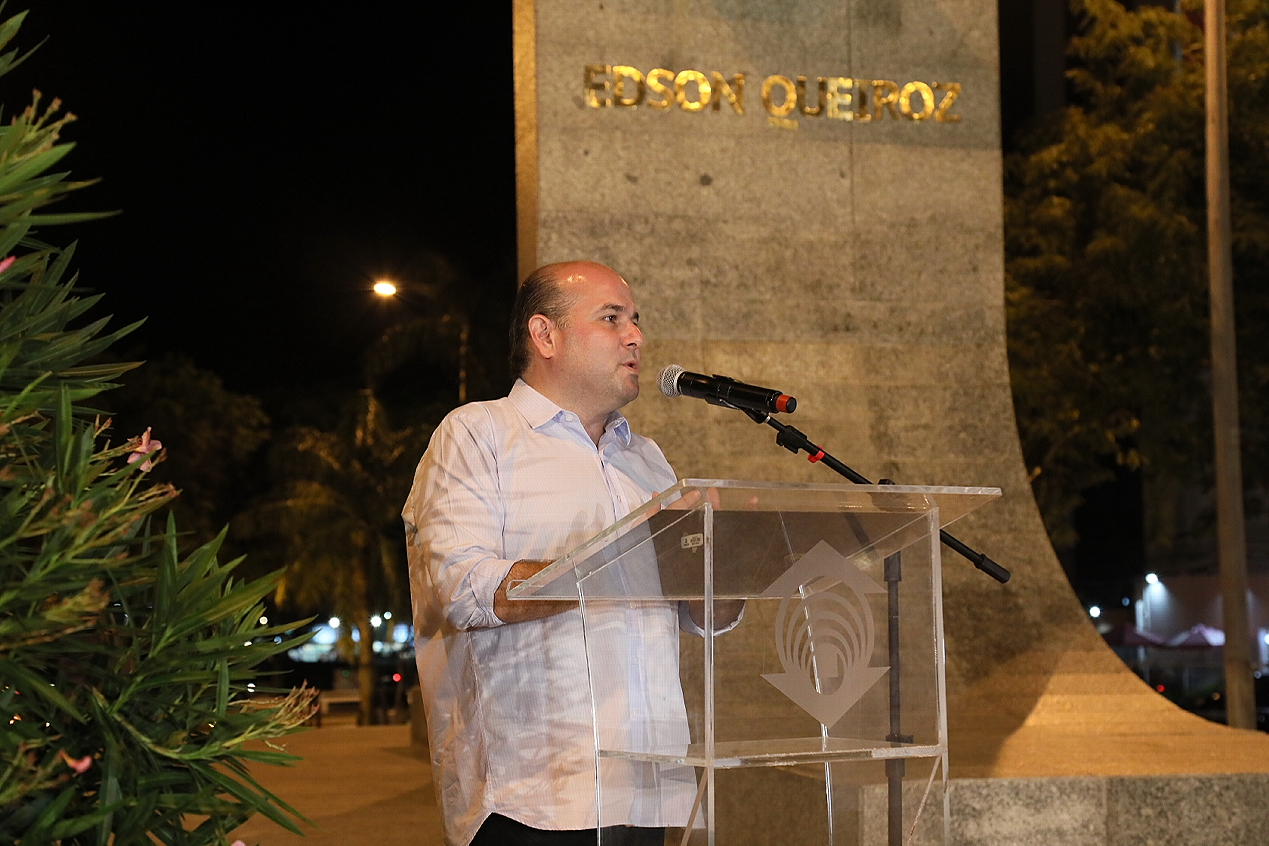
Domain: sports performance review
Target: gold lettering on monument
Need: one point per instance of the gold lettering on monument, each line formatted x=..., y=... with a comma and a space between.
x=703, y=91
x=885, y=94
x=656, y=77
x=953, y=90
x=839, y=96
x=787, y=102
x=592, y=87
x=863, y=114
x=927, y=100
x=803, y=106
x=733, y=93
x=622, y=77
x=832, y=97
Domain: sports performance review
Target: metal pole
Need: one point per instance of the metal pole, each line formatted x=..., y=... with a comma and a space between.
x=1240, y=697
x=895, y=767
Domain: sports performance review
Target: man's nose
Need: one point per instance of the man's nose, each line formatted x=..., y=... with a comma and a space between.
x=634, y=338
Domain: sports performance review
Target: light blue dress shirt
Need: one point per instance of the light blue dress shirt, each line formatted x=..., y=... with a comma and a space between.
x=508, y=706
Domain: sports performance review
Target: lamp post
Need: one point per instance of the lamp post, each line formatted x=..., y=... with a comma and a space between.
x=1240, y=696
x=388, y=289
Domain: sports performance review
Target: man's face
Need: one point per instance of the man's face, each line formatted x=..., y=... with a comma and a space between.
x=599, y=340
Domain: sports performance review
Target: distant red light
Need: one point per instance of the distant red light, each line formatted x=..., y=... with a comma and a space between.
x=1160, y=688
x=396, y=677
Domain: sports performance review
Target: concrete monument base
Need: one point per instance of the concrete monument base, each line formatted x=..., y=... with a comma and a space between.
x=806, y=194
x=1163, y=810
x=1208, y=809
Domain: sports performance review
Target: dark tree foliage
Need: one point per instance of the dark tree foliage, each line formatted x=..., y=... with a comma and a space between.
x=213, y=436
x=1106, y=261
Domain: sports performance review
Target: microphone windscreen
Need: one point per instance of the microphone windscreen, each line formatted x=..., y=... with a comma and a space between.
x=668, y=380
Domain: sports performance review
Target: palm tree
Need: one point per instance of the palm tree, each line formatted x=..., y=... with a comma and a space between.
x=335, y=508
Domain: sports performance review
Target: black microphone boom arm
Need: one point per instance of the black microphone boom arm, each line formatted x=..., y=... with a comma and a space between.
x=795, y=441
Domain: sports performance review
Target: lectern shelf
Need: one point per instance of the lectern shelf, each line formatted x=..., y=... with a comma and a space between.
x=777, y=753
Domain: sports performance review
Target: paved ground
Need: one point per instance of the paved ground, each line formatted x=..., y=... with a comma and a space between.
x=357, y=785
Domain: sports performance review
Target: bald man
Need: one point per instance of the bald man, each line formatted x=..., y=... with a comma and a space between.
x=504, y=487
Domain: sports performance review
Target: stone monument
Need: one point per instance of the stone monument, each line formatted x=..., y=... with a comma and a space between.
x=806, y=194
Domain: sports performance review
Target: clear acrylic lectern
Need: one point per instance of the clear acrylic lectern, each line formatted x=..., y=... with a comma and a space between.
x=766, y=662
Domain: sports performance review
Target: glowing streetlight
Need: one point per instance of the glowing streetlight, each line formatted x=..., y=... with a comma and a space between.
x=333, y=622
x=1152, y=579
x=1095, y=612
x=386, y=289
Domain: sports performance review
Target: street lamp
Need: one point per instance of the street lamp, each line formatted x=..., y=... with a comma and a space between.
x=386, y=289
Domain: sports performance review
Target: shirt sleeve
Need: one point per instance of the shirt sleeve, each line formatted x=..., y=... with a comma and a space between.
x=454, y=523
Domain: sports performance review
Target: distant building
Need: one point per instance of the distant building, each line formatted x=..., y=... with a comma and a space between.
x=1172, y=605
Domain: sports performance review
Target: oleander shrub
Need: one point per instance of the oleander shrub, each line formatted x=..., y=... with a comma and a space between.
x=125, y=712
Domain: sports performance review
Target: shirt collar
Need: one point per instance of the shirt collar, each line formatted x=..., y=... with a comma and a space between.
x=538, y=411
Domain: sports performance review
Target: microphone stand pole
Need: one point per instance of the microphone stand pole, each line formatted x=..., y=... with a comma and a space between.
x=794, y=441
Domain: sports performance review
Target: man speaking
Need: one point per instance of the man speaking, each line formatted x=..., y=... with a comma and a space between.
x=505, y=487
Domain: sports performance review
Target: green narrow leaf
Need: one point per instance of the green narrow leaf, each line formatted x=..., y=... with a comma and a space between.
x=260, y=801
x=74, y=217
x=75, y=825
x=28, y=681
x=222, y=687
x=98, y=371
x=11, y=237
x=34, y=164
x=63, y=434
x=51, y=814
x=165, y=589
x=10, y=28
x=110, y=794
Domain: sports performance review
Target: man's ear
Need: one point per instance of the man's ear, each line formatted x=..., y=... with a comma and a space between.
x=542, y=335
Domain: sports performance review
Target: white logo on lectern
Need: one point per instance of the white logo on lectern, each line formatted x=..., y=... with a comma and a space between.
x=824, y=634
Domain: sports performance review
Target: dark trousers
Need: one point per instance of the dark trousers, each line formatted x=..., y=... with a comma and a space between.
x=503, y=831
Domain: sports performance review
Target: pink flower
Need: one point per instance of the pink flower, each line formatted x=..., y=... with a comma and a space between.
x=239, y=843
x=7, y=263
x=79, y=766
x=143, y=449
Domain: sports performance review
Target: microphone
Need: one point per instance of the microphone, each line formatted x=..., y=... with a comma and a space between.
x=719, y=390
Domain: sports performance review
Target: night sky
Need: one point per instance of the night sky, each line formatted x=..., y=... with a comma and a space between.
x=270, y=160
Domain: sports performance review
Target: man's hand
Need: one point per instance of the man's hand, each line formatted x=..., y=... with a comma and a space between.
x=726, y=612
x=521, y=610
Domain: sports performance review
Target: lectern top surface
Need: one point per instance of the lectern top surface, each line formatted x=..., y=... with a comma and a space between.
x=738, y=495
x=882, y=518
